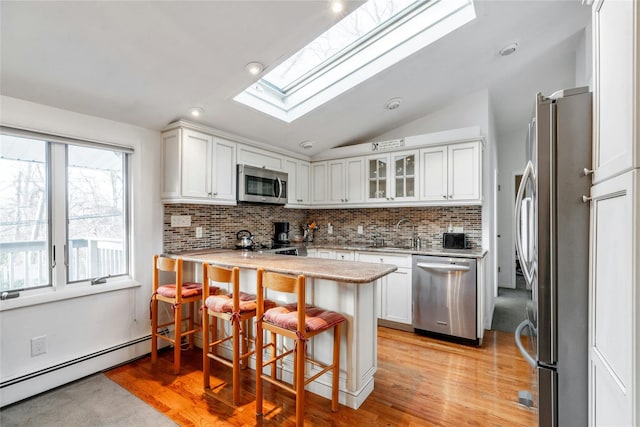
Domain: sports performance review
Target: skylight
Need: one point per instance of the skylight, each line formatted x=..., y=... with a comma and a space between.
x=375, y=36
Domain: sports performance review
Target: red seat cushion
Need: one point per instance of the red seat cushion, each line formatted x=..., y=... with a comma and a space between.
x=189, y=289
x=316, y=319
x=224, y=303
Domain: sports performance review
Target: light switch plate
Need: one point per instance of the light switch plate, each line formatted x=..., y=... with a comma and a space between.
x=360, y=229
x=181, y=220
x=198, y=232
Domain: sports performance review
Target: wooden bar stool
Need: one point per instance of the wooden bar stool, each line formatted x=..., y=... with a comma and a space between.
x=176, y=294
x=299, y=322
x=237, y=309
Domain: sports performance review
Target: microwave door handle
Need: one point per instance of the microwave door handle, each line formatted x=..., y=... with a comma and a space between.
x=518, y=335
x=528, y=174
x=279, y=181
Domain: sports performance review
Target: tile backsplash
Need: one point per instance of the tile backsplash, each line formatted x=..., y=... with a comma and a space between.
x=221, y=223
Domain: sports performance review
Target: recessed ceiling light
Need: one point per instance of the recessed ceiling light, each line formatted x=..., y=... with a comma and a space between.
x=254, y=68
x=337, y=6
x=508, y=49
x=306, y=144
x=393, y=103
x=196, y=111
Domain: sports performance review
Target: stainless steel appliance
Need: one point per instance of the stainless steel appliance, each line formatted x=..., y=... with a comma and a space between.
x=454, y=241
x=552, y=237
x=244, y=239
x=444, y=296
x=261, y=185
x=281, y=234
x=286, y=250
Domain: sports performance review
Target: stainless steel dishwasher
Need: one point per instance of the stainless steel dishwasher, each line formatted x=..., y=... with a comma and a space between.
x=444, y=296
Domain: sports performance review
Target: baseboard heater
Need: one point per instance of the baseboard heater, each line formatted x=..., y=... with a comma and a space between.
x=72, y=362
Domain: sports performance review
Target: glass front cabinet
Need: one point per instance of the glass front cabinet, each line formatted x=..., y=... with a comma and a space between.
x=392, y=177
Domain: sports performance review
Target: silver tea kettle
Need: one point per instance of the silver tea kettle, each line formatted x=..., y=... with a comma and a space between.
x=245, y=239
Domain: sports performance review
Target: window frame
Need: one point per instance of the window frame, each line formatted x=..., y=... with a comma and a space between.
x=59, y=286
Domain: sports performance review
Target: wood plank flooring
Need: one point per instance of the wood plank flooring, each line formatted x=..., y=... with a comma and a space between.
x=420, y=381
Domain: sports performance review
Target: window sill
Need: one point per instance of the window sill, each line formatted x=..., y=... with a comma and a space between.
x=36, y=297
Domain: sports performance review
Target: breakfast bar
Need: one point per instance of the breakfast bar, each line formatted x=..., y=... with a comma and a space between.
x=346, y=287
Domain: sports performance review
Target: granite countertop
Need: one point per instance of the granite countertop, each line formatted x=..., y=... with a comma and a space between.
x=337, y=270
x=477, y=253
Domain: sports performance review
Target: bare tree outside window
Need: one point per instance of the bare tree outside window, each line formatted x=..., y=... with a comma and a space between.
x=92, y=244
x=24, y=221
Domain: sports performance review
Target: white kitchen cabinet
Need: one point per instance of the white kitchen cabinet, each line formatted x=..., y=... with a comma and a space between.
x=392, y=177
x=451, y=173
x=394, y=290
x=257, y=157
x=345, y=180
x=345, y=255
x=614, y=318
x=198, y=168
x=325, y=253
x=616, y=80
x=614, y=299
x=299, y=173
x=319, y=179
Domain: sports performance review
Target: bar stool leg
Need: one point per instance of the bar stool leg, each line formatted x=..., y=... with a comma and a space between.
x=236, y=361
x=336, y=367
x=206, y=333
x=299, y=380
x=154, y=331
x=259, y=351
x=177, y=338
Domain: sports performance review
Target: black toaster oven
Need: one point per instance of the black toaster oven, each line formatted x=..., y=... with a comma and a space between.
x=454, y=241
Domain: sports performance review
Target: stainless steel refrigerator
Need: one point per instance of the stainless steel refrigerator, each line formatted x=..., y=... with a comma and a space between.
x=552, y=243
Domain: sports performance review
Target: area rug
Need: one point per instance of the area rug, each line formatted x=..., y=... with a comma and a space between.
x=91, y=401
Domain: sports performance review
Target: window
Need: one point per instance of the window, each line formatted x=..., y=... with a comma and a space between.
x=64, y=211
x=375, y=36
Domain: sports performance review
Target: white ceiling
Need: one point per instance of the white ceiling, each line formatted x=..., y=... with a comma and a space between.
x=146, y=63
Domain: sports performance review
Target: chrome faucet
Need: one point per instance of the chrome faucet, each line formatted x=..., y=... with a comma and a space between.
x=413, y=230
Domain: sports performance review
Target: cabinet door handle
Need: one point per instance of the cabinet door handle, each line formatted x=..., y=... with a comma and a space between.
x=215, y=194
x=586, y=199
x=588, y=172
x=444, y=196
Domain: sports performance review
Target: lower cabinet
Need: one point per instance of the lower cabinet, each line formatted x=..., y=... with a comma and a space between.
x=393, y=292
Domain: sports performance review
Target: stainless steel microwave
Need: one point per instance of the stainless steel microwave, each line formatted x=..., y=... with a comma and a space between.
x=261, y=185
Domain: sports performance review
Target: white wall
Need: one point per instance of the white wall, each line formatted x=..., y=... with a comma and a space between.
x=559, y=71
x=471, y=110
x=84, y=325
x=511, y=160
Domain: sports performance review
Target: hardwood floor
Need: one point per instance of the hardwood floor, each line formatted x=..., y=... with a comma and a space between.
x=420, y=381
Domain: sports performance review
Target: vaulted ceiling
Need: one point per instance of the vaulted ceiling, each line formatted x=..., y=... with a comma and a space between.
x=147, y=63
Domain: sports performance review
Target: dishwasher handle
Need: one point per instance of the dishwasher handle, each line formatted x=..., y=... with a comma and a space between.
x=441, y=266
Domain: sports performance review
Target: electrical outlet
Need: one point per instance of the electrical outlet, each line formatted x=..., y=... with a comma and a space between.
x=458, y=229
x=329, y=228
x=181, y=220
x=198, y=232
x=38, y=345
x=360, y=229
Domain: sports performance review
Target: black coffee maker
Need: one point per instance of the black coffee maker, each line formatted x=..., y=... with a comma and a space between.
x=281, y=235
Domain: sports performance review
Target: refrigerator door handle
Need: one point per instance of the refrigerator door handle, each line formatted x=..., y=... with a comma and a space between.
x=528, y=174
x=524, y=324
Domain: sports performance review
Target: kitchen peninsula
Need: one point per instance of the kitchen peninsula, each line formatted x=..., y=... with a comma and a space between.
x=343, y=286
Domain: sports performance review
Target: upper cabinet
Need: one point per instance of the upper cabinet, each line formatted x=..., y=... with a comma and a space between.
x=248, y=155
x=345, y=178
x=616, y=77
x=299, y=175
x=451, y=173
x=198, y=168
x=392, y=177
